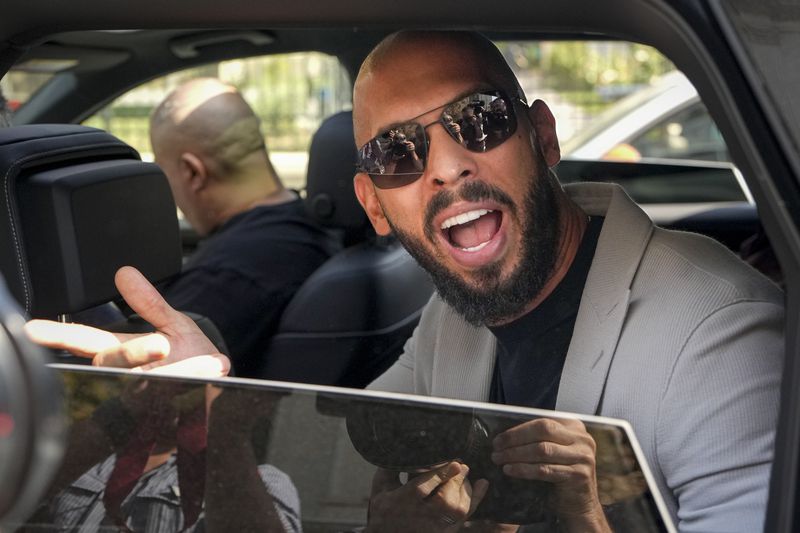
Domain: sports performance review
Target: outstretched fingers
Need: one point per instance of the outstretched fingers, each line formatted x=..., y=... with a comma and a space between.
x=202, y=366
x=174, y=349
x=135, y=352
x=84, y=341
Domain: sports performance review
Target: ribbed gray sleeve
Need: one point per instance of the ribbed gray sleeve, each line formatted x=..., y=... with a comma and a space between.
x=716, y=421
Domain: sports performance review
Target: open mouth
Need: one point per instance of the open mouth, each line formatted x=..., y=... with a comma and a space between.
x=473, y=230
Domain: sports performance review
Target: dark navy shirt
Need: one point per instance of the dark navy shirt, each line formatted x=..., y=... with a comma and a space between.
x=531, y=350
x=244, y=274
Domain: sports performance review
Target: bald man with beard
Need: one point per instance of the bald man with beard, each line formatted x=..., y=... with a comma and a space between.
x=559, y=297
x=258, y=245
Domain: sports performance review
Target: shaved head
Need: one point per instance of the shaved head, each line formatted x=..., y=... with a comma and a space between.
x=208, y=117
x=473, y=46
x=405, y=49
x=207, y=140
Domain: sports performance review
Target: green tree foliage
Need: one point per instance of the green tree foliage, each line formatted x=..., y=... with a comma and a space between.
x=605, y=70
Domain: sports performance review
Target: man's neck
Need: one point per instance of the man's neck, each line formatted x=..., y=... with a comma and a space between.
x=278, y=197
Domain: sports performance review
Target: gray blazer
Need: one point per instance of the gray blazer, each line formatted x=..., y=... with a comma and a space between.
x=675, y=335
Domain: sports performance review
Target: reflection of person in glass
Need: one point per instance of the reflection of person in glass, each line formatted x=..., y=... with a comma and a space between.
x=443, y=499
x=242, y=492
x=472, y=127
x=156, y=477
x=497, y=119
x=403, y=154
x=453, y=127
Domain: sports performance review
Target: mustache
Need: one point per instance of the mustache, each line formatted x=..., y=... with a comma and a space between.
x=471, y=191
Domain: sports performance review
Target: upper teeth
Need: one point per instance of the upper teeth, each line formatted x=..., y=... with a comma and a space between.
x=463, y=218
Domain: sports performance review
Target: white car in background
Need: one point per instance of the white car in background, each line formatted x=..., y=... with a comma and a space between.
x=663, y=121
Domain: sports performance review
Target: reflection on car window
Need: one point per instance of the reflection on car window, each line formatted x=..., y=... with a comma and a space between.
x=687, y=134
x=661, y=182
x=161, y=454
x=19, y=84
x=626, y=103
x=616, y=100
x=290, y=93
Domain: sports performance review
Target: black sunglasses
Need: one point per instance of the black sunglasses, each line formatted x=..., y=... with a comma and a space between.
x=479, y=122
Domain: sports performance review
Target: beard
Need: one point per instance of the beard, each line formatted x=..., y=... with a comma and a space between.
x=492, y=299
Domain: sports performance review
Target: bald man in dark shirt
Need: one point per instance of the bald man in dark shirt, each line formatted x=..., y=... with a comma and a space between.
x=258, y=245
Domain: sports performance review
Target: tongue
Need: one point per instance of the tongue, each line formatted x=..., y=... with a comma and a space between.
x=475, y=232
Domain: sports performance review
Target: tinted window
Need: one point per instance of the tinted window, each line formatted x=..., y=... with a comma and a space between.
x=687, y=134
x=148, y=453
x=625, y=102
x=24, y=79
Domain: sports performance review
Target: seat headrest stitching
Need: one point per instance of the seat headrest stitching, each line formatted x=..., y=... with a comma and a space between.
x=9, y=208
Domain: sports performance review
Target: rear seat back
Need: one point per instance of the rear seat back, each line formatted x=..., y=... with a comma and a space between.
x=348, y=322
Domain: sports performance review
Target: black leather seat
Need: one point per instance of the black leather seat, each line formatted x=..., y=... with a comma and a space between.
x=77, y=204
x=350, y=319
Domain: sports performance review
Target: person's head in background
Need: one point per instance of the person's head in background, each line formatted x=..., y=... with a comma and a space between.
x=207, y=140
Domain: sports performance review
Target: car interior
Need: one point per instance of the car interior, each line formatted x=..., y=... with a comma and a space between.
x=706, y=197
x=349, y=321
x=66, y=181
x=87, y=197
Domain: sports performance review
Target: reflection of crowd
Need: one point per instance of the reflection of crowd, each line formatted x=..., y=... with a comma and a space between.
x=475, y=128
x=479, y=127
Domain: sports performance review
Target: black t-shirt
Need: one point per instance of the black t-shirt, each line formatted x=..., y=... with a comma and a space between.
x=531, y=350
x=244, y=274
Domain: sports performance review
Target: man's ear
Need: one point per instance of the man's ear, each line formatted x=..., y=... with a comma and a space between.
x=544, y=126
x=194, y=172
x=365, y=191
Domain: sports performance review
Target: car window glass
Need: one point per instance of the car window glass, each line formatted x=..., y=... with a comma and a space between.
x=291, y=94
x=769, y=31
x=621, y=101
x=584, y=80
x=687, y=134
x=24, y=79
x=165, y=454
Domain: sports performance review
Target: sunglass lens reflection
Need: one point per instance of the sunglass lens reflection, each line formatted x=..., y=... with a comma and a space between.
x=402, y=152
x=480, y=122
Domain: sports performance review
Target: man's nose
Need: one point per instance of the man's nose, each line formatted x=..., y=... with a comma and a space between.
x=448, y=160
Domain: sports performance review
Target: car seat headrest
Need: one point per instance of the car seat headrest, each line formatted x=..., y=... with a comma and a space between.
x=330, y=197
x=77, y=204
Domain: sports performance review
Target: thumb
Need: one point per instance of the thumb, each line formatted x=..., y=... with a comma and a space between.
x=186, y=339
x=144, y=299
